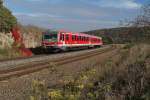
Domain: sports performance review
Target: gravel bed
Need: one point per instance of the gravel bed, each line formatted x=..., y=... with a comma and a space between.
x=19, y=62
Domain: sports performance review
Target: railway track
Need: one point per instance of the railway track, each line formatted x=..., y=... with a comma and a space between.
x=10, y=63
x=37, y=66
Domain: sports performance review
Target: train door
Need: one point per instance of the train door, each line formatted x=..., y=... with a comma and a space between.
x=62, y=38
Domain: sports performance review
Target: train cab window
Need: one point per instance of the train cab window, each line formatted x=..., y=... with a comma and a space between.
x=50, y=37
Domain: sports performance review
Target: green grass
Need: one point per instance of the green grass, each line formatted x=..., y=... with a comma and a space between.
x=8, y=54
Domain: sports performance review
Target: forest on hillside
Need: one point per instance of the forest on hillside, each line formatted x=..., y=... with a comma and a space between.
x=137, y=30
x=123, y=34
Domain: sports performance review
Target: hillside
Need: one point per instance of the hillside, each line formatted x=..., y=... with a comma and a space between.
x=123, y=34
x=31, y=35
x=7, y=20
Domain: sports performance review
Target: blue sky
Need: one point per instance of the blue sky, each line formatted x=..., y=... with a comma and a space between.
x=74, y=15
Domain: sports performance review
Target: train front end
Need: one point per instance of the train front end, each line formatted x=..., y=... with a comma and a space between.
x=50, y=40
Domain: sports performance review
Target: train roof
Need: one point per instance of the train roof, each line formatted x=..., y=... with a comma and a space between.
x=74, y=33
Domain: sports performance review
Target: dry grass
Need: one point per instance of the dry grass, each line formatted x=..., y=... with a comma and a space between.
x=9, y=53
x=126, y=76
x=123, y=77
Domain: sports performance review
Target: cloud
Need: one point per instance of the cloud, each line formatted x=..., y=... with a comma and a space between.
x=36, y=15
x=34, y=0
x=126, y=4
x=76, y=15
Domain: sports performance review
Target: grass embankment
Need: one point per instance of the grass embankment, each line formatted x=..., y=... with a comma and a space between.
x=126, y=76
x=9, y=53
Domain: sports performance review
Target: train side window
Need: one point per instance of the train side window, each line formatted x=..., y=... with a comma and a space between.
x=80, y=38
x=67, y=37
x=74, y=37
x=87, y=38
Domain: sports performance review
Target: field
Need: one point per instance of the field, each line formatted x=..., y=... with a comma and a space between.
x=120, y=74
x=124, y=76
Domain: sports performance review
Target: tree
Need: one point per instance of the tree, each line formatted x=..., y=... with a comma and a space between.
x=7, y=20
x=144, y=19
x=1, y=2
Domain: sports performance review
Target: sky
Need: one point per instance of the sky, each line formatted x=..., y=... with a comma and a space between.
x=75, y=15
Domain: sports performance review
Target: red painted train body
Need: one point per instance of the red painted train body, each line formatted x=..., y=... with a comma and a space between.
x=62, y=40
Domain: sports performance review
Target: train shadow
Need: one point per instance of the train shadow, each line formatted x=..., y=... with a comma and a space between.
x=41, y=50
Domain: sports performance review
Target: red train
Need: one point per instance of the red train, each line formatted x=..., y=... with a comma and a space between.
x=62, y=40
